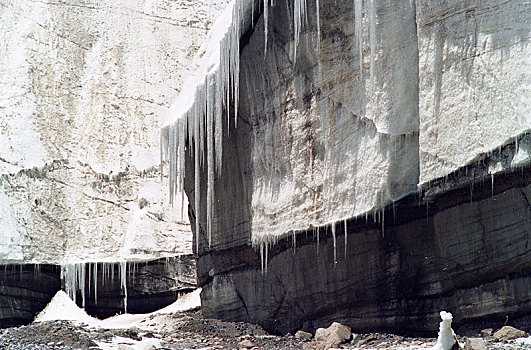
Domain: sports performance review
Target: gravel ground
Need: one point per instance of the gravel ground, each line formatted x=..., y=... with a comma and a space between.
x=190, y=330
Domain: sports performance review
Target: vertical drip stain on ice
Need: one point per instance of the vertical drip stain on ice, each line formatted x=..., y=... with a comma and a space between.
x=299, y=11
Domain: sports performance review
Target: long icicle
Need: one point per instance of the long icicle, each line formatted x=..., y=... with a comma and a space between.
x=266, y=24
x=318, y=27
x=372, y=38
x=358, y=30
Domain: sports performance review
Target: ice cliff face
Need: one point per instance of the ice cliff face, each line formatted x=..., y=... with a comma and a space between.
x=82, y=88
x=379, y=165
x=333, y=139
x=474, y=81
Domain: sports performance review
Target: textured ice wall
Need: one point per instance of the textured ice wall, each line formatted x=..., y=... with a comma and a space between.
x=82, y=88
x=335, y=98
x=475, y=80
x=331, y=142
x=308, y=159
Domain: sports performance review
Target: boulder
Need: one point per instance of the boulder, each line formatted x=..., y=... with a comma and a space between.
x=475, y=344
x=302, y=335
x=487, y=332
x=508, y=333
x=334, y=335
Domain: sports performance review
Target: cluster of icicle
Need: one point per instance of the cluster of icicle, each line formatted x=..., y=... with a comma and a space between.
x=195, y=120
x=74, y=277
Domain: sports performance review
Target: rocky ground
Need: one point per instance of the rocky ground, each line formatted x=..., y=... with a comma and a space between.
x=189, y=330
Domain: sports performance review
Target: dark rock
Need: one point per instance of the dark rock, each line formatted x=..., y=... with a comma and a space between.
x=26, y=289
x=410, y=274
x=151, y=285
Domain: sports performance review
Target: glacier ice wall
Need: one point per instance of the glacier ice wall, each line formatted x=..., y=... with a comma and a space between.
x=474, y=80
x=333, y=189
x=332, y=139
x=82, y=86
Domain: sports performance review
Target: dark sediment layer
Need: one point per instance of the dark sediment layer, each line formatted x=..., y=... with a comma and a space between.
x=25, y=290
x=464, y=250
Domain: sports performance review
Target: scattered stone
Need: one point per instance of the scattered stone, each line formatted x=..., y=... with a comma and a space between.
x=487, y=332
x=474, y=344
x=246, y=343
x=333, y=335
x=125, y=347
x=370, y=338
x=302, y=335
x=508, y=333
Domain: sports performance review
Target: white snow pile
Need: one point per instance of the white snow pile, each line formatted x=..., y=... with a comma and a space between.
x=446, y=339
x=61, y=307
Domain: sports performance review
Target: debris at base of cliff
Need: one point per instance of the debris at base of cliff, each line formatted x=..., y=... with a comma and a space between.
x=189, y=330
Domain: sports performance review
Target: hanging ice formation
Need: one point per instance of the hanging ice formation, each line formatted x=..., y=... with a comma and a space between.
x=195, y=120
x=74, y=279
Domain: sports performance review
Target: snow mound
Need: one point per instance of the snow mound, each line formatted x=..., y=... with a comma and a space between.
x=61, y=307
x=186, y=302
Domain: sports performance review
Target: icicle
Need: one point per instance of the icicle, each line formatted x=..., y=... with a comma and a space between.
x=266, y=24
x=262, y=256
x=358, y=30
x=210, y=155
x=318, y=28
x=346, y=238
x=299, y=11
x=372, y=38
x=95, y=283
x=266, y=249
x=123, y=282
x=197, y=185
x=335, y=243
